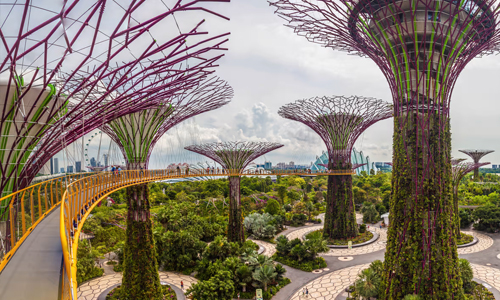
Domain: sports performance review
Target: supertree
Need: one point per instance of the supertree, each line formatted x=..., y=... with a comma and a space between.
x=476, y=156
x=58, y=84
x=421, y=47
x=339, y=121
x=458, y=170
x=72, y=66
x=234, y=157
x=136, y=134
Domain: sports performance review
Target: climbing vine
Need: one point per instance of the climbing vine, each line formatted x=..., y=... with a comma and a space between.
x=140, y=275
x=421, y=256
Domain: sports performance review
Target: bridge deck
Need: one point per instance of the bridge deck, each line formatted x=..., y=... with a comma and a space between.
x=33, y=273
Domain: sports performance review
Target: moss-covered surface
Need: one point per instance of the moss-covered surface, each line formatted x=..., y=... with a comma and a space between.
x=421, y=256
x=340, y=215
x=361, y=238
x=140, y=269
x=235, y=226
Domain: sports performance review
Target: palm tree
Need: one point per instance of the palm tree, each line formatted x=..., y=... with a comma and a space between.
x=244, y=274
x=315, y=244
x=264, y=275
x=367, y=285
x=280, y=270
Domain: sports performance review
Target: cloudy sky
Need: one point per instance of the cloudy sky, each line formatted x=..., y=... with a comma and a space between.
x=269, y=66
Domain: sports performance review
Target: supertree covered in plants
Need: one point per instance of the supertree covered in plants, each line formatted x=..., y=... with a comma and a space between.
x=234, y=157
x=476, y=156
x=136, y=134
x=421, y=47
x=339, y=121
x=68, y=68
x=458, y=170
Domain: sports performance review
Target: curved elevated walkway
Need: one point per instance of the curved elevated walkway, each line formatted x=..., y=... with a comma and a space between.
x=34, y=271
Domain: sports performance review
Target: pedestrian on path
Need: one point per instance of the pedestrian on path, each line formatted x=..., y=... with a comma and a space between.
x=182, y=285
x=238, y=296
x=307, y=293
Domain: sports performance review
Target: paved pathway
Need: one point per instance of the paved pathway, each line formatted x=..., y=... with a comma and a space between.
x=90, y=290
x=484, y=242
x=34, y=270
x=269, y=249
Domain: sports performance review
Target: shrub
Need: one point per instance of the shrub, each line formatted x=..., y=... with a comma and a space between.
x=466, y=273
x=262, y=226
x=86, y=264
x=487, y=217
x=362, y=228
x=272, y=207
x=370, y=213
x=219, y=287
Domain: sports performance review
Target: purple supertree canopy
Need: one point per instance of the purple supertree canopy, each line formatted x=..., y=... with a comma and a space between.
x=80, y=64
x=456, y=161
x=234, y=156
x=460, y=169
x=136, y=134
x=387, y=32
x=476, y=154
x=338, y=120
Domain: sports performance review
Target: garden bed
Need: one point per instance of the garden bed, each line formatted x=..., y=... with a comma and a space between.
x=168, y=293
x=465, y=239
x=307, y=266
x=365, y=238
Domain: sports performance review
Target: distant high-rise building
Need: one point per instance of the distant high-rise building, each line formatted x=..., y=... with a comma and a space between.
x=56, y=165
x=70, y=169
x=494, y=166
x=268, y=165
x=93, y=162
x=62, y=170
x=106, y=156
x=78, y=165
x=51, y=165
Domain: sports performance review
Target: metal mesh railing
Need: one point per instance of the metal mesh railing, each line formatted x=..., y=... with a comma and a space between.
x=24, y=209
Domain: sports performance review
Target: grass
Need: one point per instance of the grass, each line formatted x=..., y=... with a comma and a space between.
x=307, y=266
x=361, y=238
x=465, y=239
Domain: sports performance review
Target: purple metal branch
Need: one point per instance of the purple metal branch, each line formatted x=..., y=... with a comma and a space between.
x=338, y=120
x=234, y=156
x=460, y=169
x=476, y=154
x=210, y=94
x=98, y=92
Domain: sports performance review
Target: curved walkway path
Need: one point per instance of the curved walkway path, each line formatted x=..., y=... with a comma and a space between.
x=34, y=271
x=91, y=290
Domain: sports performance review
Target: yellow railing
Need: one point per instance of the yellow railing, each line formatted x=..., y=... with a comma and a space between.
x=27, y=208
x=83, y=195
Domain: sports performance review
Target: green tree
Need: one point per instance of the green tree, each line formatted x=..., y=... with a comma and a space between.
x=220, y=248
x=368, y=284
x=315, y=244
x=281, y=189
x=244, y=274
x=370, y=213
x=273, y=207
x=219, y=287
x=264, y=274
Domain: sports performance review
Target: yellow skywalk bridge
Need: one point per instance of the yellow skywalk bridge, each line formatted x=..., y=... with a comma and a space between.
x=44, y=237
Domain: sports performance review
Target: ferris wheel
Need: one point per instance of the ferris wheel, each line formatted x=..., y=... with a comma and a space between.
x=107, y=154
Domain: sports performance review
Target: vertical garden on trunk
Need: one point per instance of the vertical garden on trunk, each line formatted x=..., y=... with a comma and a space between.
x=339, y=121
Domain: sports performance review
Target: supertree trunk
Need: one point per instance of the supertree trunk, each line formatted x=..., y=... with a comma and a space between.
x=340, y=217
x=421, y=256
x=140, y=275
x=235, y=226
x=456, y=214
